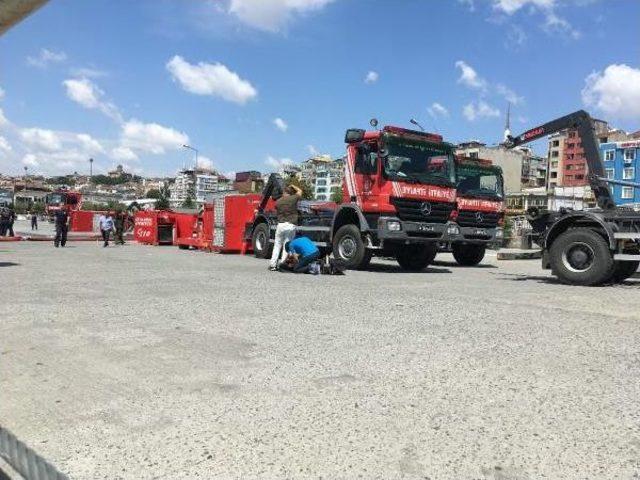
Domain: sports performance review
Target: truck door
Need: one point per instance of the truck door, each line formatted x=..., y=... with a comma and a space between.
x=361, y=179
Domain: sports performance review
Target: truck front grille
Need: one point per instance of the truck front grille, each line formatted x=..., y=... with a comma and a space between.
x=422, y=210
x=470, y=218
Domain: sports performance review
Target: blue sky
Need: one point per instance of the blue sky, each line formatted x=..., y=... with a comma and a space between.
x=129, y=82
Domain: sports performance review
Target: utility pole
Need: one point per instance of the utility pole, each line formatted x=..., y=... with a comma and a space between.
x=196, y=152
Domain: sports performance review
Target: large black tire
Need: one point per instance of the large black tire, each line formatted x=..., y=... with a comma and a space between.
x=468, y=255
x=416, y=257
x=262, y=247
x=623, y=270
x=581, y=256
x=349, y=248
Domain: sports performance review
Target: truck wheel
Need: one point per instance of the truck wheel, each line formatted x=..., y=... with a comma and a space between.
x=349, y=249
x=468, y=255
x=260, y=241
x=581, y=256
x=624, y=270
x=416, y=257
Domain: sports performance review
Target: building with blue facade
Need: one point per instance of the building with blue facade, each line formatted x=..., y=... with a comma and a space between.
x=622, y=162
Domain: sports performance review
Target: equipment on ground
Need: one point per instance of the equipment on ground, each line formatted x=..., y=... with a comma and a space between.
x=585, y=247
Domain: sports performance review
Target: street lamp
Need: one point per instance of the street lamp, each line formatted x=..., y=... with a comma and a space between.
x=195, y=150
x=415, y=122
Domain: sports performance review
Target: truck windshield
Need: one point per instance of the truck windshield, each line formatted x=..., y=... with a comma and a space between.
x=55, y=198
x=479, y=182
x=417, y=162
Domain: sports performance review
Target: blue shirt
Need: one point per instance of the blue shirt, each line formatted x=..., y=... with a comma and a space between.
x=302, y=246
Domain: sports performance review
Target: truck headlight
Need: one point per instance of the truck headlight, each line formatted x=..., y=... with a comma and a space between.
x=499, y=233
x=453, y=229
x=394, y=226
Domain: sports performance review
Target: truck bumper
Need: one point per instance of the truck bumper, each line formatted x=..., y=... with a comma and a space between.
x=394, y=229
x=481, y=236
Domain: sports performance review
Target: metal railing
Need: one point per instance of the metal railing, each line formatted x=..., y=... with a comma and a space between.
x=24, y=460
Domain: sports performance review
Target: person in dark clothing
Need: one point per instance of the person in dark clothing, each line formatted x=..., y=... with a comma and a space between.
x=4, y=221
x=61, y=220
x=34, y=221
x=12, y=218
x=121, y=218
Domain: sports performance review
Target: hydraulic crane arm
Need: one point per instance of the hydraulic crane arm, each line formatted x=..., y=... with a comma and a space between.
x=583, y=123
x=273, y=189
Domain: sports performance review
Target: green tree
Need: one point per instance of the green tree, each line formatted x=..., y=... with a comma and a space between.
x=307, y=191
x=336, y=195
x=153, y=193
x=189, y=202
x=163, y=200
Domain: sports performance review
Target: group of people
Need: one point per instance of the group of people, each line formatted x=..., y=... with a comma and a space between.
x=292, y=252
x=107, y=224
x=7, y=218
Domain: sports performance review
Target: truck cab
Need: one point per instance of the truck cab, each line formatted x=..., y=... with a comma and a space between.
x=480, y=209
x=70, y=201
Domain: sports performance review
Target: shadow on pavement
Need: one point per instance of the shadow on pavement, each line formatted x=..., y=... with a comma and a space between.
x=457, y=265
x=9, y=264
x=514, y=277
x=382, y=268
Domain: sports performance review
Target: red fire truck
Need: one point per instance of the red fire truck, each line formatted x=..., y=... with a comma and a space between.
x=399, y=199
x=71, y=201
x=480, y=215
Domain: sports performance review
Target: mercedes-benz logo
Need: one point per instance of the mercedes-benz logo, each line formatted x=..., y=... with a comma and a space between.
x=425, y=208
x=479, y=217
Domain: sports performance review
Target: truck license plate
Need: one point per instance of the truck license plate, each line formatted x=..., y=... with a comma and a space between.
x=481, y=231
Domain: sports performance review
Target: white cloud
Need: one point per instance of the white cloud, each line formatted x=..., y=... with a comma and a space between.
x=512, y=6
x=372, y=77
x=272, y=15
x=213, y=79
x=553, y=22
x=3, y=119
x=89, y=143
x=205, y=163
x=46, y=57
x=30, y=160
x=614, y=91
x=278, y=163
x=4, y=145
x=1, y=93
x=313, y=150
x=151, y=137
x=280, y=124
x=87, y=72
x=516, y=37
x=508, y=94
x=481, y=109
x=470, y=4
x=41, y=138
x=86, y=93
x=437, y=110
x=469, y=77
x=123, y=153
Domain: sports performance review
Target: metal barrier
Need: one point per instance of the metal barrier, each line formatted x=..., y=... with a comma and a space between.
x=24, y=460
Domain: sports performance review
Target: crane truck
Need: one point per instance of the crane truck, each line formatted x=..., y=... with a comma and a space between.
x=585, y=247
x=398, y=200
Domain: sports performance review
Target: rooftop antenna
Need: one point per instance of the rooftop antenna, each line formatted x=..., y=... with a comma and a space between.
x=507, y=126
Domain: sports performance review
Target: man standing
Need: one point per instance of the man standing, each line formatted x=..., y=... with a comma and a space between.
x=119, y=222
x=287, y=214
x=61, y=221
x=12, y=219
x=4, y=221
x=106, y=225
x=34, y=221
x=302, y=252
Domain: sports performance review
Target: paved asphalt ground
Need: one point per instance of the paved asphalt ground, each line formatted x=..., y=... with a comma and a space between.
x=150, y=362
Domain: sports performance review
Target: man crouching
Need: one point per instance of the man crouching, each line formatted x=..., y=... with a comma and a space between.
x=301, y=252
